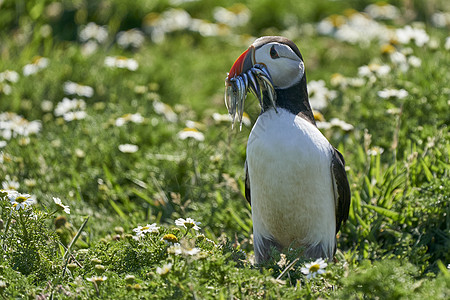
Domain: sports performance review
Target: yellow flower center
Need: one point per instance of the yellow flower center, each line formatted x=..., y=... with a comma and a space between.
x=387, y=49
x=170, y=238
x=373, y=67
x=188, y=225
x=145, y=228
x=314, y=268
x=193, y=130
x=318, y=116
x=350, y=12
x=336, y=20
x=36, y=60
x=21, y=199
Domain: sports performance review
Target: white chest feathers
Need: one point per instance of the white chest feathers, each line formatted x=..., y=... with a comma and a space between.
x=292, y=196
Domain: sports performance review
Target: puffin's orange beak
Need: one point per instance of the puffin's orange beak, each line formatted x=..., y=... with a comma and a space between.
x=244, y=62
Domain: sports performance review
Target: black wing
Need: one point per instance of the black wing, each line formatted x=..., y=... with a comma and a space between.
x=247, y=185
x=341, y=188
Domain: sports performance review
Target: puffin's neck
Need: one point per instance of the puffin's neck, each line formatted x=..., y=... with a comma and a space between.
x=295, y=100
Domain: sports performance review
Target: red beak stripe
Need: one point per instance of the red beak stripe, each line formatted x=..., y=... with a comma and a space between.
x=236, y=69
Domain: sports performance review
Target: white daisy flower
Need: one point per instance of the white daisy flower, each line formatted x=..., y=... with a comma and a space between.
x=187, y=223
x=71, y=109
x=314, y=268
x=3, y=145
x=9, y=184
x=8, y=75
x=73, y=88
x=165, y=110
x=414, y=61
x=236, y=15
x=134, y=118
x=67, y=105
x=95, y=32
x=355, y=28
x=175, y=249
x=341, y=124
x=335, y=122
x=38, y=64
x=20, y=201
x=169, y=21
x=30, y=182
x=140, y=230
x=221, y=117
x=399, y=59
x=7, y=193
x=407, y=34
x=375, y=150
x=383, y=11
x=12, y=125
x=121, y=62
x=374, y=69
x=128, y=148
x=319, y=94
x=89, y=48
x=440, y=19
x=246, y=119
x=392, y=93
x=74, y=115
x=65, y=208
x=97, y=279
x=195, y=124
x=205, y=28
x=5, y=89
x=192, y=251
x=130, y=38
x=191, y=133
x=120, y=122
x=165, y=269
x=46, y=105
x=447, y=43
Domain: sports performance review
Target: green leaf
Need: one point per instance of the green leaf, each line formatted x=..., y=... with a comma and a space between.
x=238, y=220
x=363, y=223
x=385, y=212
x=74, y=240
x=426, y=170
x=144, y=197
x=118, y=210
x=219, y=198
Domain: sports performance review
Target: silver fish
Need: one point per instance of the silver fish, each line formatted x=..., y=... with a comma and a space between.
x=257, y=80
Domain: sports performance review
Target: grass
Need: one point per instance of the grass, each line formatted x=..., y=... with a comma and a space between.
x=395, y=245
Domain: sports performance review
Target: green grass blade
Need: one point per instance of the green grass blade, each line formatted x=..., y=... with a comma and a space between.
x=384, y=211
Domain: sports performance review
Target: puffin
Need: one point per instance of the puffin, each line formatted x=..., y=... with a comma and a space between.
x=295, y=180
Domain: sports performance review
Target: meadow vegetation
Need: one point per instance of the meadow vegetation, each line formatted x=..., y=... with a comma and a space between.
x=122, y=178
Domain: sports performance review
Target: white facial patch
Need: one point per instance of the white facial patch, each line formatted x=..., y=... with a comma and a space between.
x=286, y=70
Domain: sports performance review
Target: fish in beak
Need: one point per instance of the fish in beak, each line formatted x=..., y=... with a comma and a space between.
x=247, y=75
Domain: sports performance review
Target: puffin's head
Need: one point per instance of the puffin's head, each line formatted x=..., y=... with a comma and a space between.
x=271, y=63
x=279, y=55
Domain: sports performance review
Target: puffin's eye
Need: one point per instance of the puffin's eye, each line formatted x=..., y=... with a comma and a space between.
x=273, y=52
